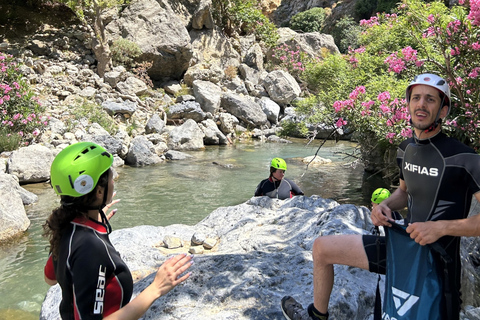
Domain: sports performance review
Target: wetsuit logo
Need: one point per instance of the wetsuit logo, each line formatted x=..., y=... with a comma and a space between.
x=432, y=172
x=100, y=291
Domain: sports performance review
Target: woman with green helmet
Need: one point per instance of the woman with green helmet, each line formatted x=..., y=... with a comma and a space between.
x=277, y=186
x=95, y=281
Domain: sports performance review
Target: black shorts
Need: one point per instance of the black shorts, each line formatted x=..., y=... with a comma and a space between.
x=376, y=253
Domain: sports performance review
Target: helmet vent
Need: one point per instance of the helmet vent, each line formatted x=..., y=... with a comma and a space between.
x=59, y=190
x=441, y=83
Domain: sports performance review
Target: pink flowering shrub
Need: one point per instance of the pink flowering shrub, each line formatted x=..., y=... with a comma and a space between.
x=21, y=119
x=290, y=59
x=363, y=91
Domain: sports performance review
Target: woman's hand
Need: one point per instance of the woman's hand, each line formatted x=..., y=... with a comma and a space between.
x=107, y=207
x=169, y=275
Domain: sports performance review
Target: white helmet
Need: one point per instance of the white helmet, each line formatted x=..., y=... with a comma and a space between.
x=431, y=80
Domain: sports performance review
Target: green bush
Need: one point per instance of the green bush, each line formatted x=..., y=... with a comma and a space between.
x=345, y=33
x=21, y=116
x=311, y=20
x=238, y=17
x=124, y=52
x=94, y=114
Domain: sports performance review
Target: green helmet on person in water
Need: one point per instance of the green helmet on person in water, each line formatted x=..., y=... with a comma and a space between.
x=379, y=195
x=278, y=163
x=76, y=169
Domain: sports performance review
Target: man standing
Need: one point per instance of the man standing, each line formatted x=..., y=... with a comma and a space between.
x=438, y=177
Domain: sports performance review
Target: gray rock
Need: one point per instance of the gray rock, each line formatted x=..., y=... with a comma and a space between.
x=281, y=87
x=125, y=107
x=228, y=123
x=31, y=164
x=270, y=108
x=155, y=124
x=188, y=136
x=132, y=86
x=202, y=18
x=141, y=153
x=177, y=155
x=213, y=135
x=208, y=95
x=186, y=110
x=13, y=218
x=156, y=29
x=244, y=109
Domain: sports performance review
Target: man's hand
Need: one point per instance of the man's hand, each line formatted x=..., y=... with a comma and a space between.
x=381, y=216
x=425, y=232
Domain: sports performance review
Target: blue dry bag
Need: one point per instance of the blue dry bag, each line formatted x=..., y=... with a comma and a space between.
x=414, y=286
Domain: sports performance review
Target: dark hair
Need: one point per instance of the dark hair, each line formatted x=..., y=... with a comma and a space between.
x=272, y=170
x=69, y=209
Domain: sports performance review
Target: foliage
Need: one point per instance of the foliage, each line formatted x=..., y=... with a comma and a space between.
x=364, y=89
x=125, y=52
x=291, y=129
x=238, y=17
x=20, y=113
x=346, y=33
x=94, y=114
x=366, y=8
x=311, y=20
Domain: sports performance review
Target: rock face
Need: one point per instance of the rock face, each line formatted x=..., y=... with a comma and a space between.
x=164, y=40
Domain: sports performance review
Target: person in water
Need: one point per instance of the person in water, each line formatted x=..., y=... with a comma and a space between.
x=277, y=186
x=96, y=283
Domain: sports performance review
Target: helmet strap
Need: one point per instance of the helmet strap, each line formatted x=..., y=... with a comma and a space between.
x=102, y=214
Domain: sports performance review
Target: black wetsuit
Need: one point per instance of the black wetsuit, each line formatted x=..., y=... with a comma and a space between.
x=95, y=281
x=441, y=175
x=282, y=189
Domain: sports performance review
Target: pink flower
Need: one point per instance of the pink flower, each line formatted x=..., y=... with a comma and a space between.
x=340, y=122
x=384, y=96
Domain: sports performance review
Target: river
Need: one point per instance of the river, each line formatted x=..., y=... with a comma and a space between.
x=174, y=192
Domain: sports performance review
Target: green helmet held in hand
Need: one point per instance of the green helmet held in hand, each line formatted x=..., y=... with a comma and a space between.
x=76, y=169
x=379, y=195
x=278, y=163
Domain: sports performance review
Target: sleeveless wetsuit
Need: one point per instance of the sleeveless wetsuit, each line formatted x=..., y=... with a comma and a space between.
x=441, y=175
x=282, y=189
x=94, y=279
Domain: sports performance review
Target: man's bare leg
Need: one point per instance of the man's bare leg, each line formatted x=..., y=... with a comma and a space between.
x=327, y=251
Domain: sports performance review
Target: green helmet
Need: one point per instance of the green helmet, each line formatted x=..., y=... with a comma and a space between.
x=379, y=195
x=76, y=169
x=278, y=163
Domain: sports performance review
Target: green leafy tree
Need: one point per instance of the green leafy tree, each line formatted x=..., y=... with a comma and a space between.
x=311, y=20
x=363, y=91
x=90, y=13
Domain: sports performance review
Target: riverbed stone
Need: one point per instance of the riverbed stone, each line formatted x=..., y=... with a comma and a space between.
x=141, y=153
x=188, y=136
x=13, y=218
x=31, y=164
